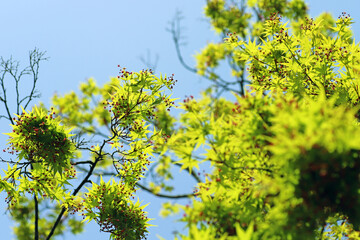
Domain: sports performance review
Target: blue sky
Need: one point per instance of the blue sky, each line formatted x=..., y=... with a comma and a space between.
x=87, y=39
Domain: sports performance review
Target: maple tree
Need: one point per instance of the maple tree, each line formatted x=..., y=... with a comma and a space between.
x=283, y=157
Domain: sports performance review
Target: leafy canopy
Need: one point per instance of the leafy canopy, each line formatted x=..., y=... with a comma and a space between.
x=281, y=161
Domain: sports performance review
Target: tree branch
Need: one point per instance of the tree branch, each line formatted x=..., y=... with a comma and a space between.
x=4, y=98
x=175, y=30
x=36, y=218
x=148, y=189
x=164, y=195
x=85, y=180
x=83, y=162
x=192, y=173
x=34, y=57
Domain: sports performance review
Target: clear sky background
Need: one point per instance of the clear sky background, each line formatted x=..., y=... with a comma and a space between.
x=90, y=38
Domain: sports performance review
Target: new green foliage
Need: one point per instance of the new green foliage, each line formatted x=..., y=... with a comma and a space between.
x=279, y=162
x=47, y=156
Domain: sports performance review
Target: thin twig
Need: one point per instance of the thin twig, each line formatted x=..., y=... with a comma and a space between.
x=164, y=195
x=175, y=30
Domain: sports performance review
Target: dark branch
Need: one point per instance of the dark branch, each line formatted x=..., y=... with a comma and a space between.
x=148, y=189
x=36, y=217
x=84, y=181
x=164, y=195
x=35, y=57
x=83, y=162
x=12, y=67
x=192, y=173
x=4, y=98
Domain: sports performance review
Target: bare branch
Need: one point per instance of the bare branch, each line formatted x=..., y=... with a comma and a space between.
x=36, y=217
x=12, y=67
x=148, y=62
x=35, y=57
x=175, y=30
x=4, y=98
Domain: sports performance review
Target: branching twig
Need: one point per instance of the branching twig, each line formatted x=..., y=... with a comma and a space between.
x=12, y=67
x=34, y=57
x=175, y=30
x=148, y=62
x=4, y=98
